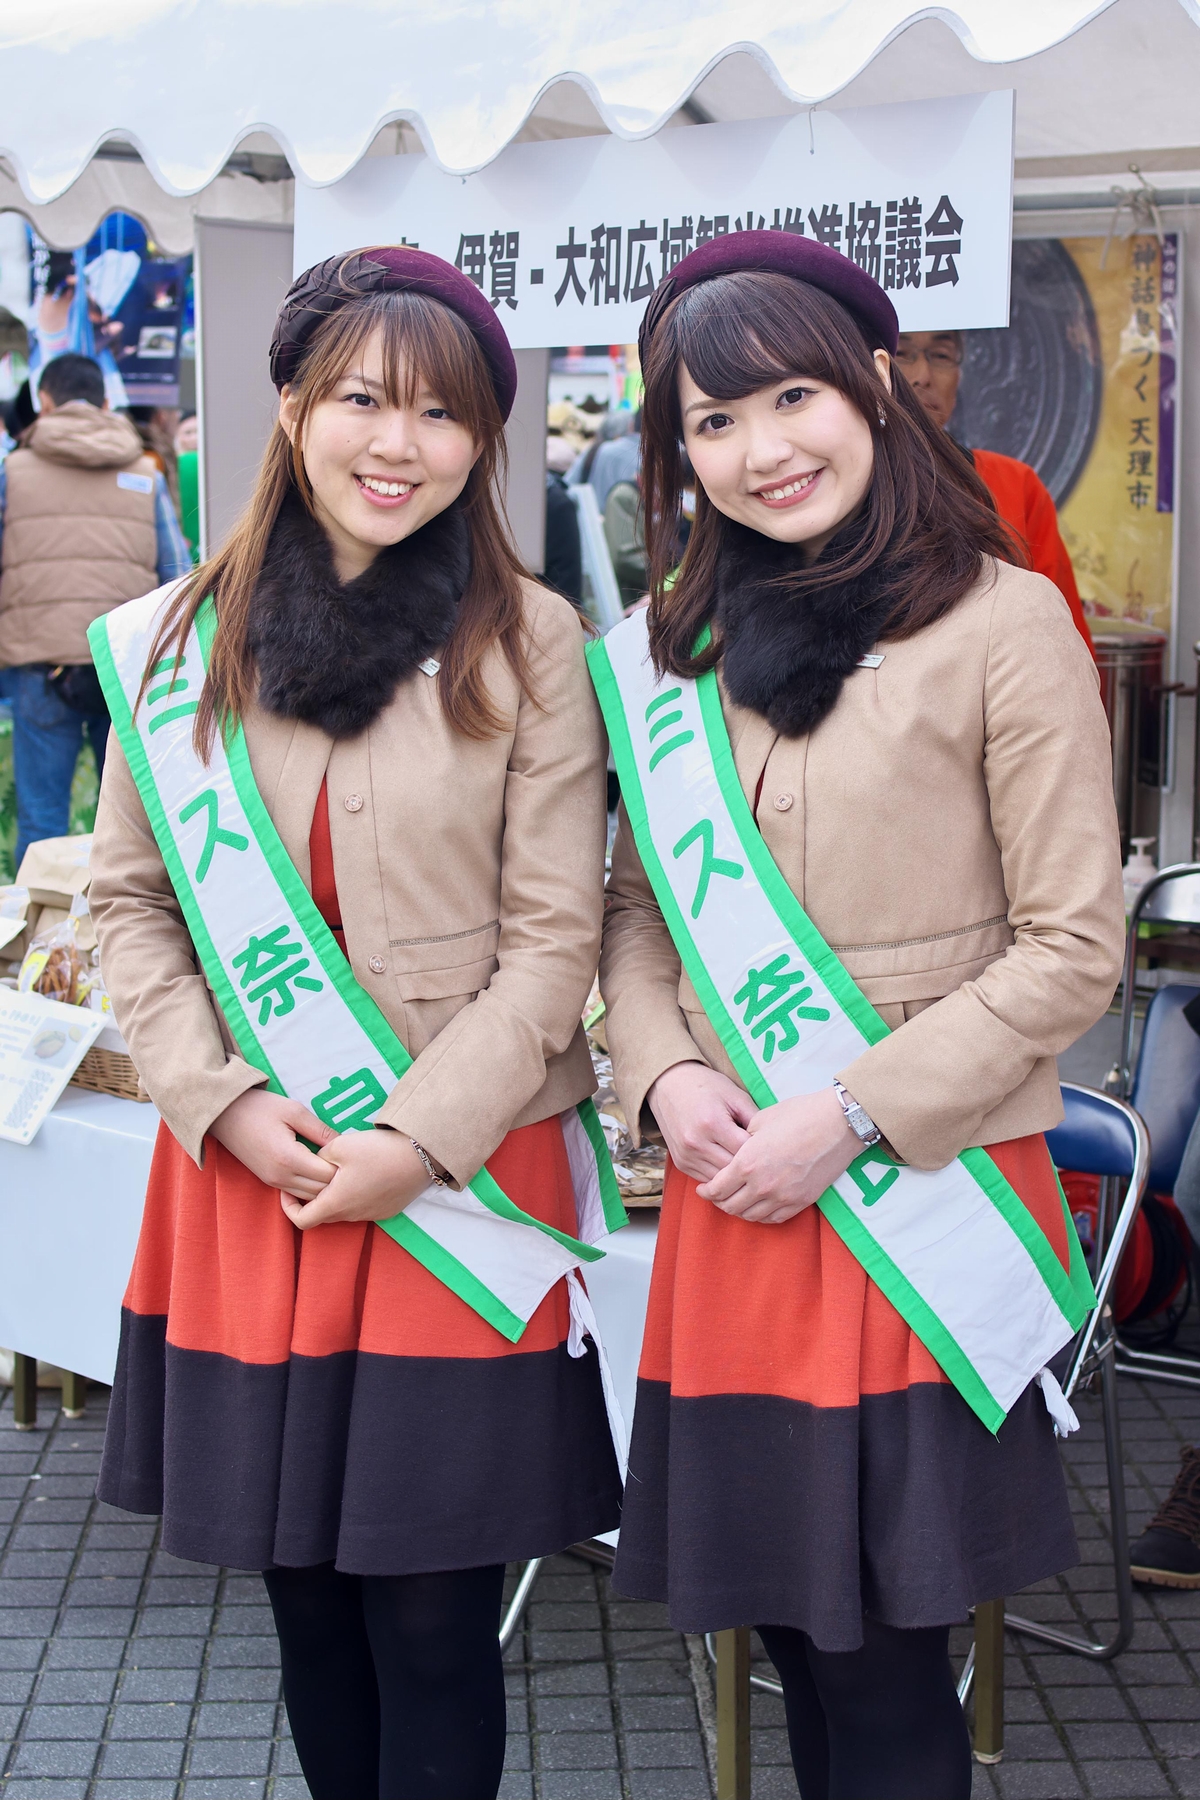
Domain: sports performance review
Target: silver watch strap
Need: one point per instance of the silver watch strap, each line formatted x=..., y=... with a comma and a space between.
x=857, y=1117
x=427, y=1160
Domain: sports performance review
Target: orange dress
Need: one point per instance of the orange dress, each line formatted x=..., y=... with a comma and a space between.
x=288, y=1397
x=798, y=1457
x=1023, y=502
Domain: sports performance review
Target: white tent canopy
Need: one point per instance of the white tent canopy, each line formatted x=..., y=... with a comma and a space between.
x=140, y=105
x=187, y=83
x=128, y=186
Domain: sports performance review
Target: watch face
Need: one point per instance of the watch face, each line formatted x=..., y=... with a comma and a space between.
x=863, y=1125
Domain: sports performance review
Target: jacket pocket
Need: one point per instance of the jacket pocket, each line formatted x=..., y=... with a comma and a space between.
x=446, y=983
x=445, y=952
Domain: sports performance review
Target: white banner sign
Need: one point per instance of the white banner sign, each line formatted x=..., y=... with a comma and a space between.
x=568, y=239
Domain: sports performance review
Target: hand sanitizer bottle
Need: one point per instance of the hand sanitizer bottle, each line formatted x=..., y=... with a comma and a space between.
x=1138, y=870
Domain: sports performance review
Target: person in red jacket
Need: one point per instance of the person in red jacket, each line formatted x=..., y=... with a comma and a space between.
x=932, y=361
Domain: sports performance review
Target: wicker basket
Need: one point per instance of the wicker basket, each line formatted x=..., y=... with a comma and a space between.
x=109, y=1072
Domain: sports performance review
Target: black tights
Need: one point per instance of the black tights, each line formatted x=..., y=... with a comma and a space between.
x=880, y=1723
x=393, y=1683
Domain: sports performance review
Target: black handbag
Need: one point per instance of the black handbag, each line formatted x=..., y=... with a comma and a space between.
x=78, y=686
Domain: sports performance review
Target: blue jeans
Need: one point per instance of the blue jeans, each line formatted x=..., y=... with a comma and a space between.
x=47, y=739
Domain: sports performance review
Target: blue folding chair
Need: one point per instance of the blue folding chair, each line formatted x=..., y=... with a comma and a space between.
x=1163, y=1084
x=1104, y=1136
x=1101, y=1135
x=1172, y=897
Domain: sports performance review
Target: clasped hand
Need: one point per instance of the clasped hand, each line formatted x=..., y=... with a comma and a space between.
x=359, y=1175
x=764, y=1166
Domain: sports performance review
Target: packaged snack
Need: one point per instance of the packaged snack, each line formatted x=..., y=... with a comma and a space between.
x=97, y=994
x=55, y=965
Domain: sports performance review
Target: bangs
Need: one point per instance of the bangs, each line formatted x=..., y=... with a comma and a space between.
x=926, y=523
x=738, y=334
x=424, y=346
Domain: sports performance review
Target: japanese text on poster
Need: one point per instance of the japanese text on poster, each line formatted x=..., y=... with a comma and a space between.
x=1117, y=522
x=569, y=239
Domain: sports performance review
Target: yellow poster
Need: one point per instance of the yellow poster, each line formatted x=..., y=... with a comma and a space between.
x=1118, y=519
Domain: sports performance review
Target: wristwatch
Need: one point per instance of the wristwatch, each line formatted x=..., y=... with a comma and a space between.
x=432, y=1173
x=857, y=1118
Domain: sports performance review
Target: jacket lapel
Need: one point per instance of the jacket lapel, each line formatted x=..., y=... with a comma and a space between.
x=289, y=759
x=752, y=739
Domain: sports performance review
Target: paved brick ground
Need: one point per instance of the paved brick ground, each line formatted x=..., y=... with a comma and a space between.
x=127, y=1675
x=1128, y=1728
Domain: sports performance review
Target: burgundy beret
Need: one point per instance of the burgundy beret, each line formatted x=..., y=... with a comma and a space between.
x=329, y=285
x=782, y=253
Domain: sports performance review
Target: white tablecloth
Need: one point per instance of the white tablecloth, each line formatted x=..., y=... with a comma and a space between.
x=619, y=1287
x=70, y=1208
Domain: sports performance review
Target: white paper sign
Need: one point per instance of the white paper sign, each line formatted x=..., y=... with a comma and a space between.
x=568, y=239
x=42, y=1043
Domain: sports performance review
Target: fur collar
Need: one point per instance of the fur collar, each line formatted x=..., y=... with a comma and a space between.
x=786, y=654
x=334, y=654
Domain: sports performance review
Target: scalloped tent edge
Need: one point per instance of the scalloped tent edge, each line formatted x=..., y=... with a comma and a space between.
x=187, y=85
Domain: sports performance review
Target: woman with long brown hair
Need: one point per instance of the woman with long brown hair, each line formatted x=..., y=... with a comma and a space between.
x=866, y=886
x=346, y=882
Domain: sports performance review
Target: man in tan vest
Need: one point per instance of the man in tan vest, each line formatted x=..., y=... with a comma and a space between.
x=85, y=523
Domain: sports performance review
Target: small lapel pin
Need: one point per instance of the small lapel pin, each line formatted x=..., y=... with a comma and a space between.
x=431, y=665
x=864, y=662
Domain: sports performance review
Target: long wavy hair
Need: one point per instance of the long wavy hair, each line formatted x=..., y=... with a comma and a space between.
x=424, y=344
x=927, y=519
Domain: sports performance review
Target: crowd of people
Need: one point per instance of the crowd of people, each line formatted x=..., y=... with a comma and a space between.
x=91, y=503
x=605, y=451
x=87, y=553
x=866, y=884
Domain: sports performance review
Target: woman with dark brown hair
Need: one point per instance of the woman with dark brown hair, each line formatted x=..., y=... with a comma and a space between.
x=346, y=882
x=865, y=887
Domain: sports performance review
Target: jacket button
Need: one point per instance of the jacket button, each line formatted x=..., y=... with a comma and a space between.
x=376, y=964
x=782, y=802
x=353, y=802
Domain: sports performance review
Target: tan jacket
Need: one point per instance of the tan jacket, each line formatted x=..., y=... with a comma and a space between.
x=79, y=532
x=950, y=830
x=470, y=881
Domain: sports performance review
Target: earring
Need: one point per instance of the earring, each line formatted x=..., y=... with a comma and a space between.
x=882, y=419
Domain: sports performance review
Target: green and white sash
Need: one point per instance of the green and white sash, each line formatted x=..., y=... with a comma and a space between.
x=291, y=999
x=955, y=1249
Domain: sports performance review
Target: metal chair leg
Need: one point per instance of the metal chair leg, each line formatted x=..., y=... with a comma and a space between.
x=733, y=1714
x=516, y=1607
x=730, y=1652
x=74, y=1395
x=1096, y=1352
x=966, y=1680
x=24, y=1387
x=1067, y=1640
x=765, y=1682
x=1183, y=1371
x=769, y=1686
x=989, y=1681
